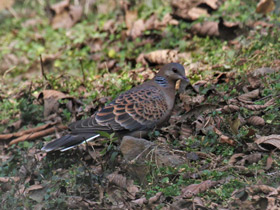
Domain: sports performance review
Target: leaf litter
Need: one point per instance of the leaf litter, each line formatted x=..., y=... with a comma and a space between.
x=214, y=136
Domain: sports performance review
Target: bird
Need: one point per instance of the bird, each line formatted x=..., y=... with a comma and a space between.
x=132, y=113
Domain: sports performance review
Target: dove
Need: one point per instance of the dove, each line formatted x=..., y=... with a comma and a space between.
x=133, y=113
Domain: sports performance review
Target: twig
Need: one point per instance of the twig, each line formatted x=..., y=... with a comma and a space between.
x=21, y=133
x=82, y=68
x=36, y=135
x=42, y=68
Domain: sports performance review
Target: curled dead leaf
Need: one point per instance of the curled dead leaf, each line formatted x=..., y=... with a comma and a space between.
x=265, y=6
x=118, y=180
x=259, y=107
x=65, y=15
x=159, y=57
x=9, y=179
x=229, y=109
x=256, y=120
x=235, y=157
x=223, y=138
x=267, y=143
x=206, y=29
x=51, y=101
x=269, y=162
x=155, y=198
x=185, y=132
x=221, y=29
x=194, y=189
x=249, y=96
x=192, y=10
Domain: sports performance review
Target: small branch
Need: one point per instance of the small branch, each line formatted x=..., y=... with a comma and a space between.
x=42, y=68
x=21, y=133
x=33, y=136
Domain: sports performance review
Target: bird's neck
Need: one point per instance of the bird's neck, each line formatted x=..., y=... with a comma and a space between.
x=161, y=81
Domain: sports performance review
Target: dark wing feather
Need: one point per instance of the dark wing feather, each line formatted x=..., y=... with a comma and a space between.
x=136, y=109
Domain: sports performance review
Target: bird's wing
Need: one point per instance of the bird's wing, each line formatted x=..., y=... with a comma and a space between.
x=136, y=109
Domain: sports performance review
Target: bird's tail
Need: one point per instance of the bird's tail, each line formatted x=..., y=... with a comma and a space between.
x=69, y=141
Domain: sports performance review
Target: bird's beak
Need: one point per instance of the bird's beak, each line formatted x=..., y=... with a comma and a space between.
x=185, y=79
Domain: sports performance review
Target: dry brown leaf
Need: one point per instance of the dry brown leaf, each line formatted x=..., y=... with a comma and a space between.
x=235, y=158
x=12, y=128
x=223, y=138
x=9, y=179
x=206, y=29
x=268, y=142
x=118, y=180
x=51, y=100
x=221, y=29
x=158, y=57
x=196, y=12
x=95, y=44
x=259, y=107
x=269, y=162
x=137, y=29
x=256, y=120
x=34, y=187
x=254, y=189
x=194, y=189
x=226, y=140
x=248, y=97
x=250, y=159
x=141, y=74
x=130, y=17
x=262, y=71
x=155, y=198
x=6, y=4
x=122, y=182
x=192, y=10
x=229, y=109
x=65, y=15
x=140, y=201
x=235, y=124
x=265, y=6
x=185, y=132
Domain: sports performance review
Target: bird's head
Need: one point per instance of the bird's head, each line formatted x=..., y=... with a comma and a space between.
x=173, y=72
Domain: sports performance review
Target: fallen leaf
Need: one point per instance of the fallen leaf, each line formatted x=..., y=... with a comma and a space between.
x=265, y=6
x=51, y=101
x=137, y=29
x=140, y=201
x=130, y=17
x=9, y=179
x=221, y=29
x=269, y=162
x=65, y=15
x=6, y=4
x=249, y=96
x=192, y=10
x=159, y=57
x=259, y=107
x=256, y=120
x=267, y=143
x=194, y=189
x=223, y=138
x=155, y=198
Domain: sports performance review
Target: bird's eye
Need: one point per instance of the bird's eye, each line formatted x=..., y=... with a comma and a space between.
x=174, y=70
